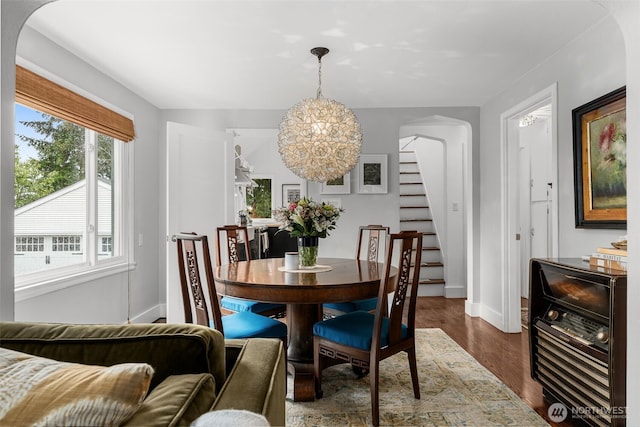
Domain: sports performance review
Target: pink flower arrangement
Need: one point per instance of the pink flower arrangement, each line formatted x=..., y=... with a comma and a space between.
x=306, y=218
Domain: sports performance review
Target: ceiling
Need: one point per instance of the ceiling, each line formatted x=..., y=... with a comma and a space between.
x=238, y=54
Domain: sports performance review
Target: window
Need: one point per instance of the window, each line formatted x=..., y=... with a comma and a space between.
x=29, y=244
x=67, y=202
x=259, y=198
x=106, y=247
x=65, y=243
x=70, y=168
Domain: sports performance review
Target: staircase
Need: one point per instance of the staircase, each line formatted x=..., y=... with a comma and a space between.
x=415, y=215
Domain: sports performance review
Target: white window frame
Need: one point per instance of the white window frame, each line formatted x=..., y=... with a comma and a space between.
x=39, y=283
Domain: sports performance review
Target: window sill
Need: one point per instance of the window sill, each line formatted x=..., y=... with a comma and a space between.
x=41, y=287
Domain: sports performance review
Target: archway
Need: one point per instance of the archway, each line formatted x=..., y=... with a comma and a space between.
x=456, y=204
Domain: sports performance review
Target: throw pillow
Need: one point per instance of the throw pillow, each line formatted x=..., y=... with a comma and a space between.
x=43, y=392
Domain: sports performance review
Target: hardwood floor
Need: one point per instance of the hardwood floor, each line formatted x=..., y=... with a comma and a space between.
x=505, y=355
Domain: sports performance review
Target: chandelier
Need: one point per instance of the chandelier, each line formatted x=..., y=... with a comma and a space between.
x=319, y=138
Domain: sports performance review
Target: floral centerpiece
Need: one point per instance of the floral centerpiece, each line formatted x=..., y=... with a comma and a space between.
x=308, y=221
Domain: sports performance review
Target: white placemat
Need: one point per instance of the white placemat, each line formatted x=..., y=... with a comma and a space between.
x=316, y=269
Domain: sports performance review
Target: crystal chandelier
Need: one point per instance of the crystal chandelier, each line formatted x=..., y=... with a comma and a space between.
x=319, y=138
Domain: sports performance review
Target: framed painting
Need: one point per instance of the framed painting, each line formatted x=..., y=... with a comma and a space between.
x=290, y=193
x=372, y=173
x=600, y=162
x=340, y=185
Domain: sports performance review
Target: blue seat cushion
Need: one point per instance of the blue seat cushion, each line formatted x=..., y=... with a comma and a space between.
x=354, y=329
x=250, y=325
x=368, y=304
x=239, y=304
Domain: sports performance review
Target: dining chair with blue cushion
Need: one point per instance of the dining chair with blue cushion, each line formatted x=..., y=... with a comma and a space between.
x=236, y=246
x=245, y=324
x=370, y=239
x=362, y=338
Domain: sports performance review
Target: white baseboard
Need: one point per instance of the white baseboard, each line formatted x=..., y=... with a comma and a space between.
x=151, y=315
x=492, y=316
x=472, y=309
x=455, y=292
x=430, y=290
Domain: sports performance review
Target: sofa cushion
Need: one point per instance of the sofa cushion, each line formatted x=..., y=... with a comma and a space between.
x=176, y=401
x=39, y=391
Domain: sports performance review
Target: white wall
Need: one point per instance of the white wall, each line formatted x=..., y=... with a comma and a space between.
x=106, y=299
x=381, y=131
x=628, y=15
x=587, y=68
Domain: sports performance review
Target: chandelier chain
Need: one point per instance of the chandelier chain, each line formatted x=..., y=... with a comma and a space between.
x=319, y=92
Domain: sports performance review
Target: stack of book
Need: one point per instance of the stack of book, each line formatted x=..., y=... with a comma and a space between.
x=615, y=259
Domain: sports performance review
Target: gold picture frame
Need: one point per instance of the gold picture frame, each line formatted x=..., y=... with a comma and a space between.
x=599, y=156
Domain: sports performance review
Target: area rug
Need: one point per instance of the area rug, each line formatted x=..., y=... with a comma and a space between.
x=455, y=391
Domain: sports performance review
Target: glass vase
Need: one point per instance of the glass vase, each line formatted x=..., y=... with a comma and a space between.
x=307, y=252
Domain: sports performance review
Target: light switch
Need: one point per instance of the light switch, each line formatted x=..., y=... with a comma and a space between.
x=455, y=206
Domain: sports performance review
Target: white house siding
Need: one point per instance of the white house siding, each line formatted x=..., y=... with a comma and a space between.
x=62, y=213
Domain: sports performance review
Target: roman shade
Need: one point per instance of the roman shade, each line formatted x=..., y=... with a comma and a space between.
x=48, y=97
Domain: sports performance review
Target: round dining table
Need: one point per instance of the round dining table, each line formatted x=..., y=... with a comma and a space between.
x=333, y=280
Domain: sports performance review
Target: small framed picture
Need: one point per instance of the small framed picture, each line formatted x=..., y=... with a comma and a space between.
x=372, y=174
x=290, y=193
x=340, y=185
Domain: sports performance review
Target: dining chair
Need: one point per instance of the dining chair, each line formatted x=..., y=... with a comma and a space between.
x=244, y=324
x=236, y=246
x=364, y=339
x=370, y=238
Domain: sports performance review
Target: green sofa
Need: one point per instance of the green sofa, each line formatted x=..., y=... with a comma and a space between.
x=196, y=369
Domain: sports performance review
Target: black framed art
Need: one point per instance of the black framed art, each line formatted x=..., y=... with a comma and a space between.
x=600, y=162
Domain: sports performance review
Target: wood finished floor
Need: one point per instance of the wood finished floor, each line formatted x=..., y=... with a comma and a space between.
x=505, y=355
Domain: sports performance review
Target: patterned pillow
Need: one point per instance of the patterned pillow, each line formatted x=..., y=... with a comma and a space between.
x=44, y=392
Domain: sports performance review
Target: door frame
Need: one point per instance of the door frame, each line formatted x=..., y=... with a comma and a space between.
x=509, y=191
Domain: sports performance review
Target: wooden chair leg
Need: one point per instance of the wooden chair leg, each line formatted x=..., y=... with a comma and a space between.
x=414, y=372
x=317, y=370
x=375, y=402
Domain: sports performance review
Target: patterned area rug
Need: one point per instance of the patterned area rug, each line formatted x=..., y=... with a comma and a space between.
x=455, y=390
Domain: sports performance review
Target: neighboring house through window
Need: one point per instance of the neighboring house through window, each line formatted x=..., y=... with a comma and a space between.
x=70, y=197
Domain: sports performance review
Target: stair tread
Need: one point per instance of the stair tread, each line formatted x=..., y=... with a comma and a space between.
x=431, y=282
x=432, y=264
x=416, y=220
x=413, y=194
x=411, y=183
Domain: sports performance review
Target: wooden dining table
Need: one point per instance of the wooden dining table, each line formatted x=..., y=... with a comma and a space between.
x=303, y=293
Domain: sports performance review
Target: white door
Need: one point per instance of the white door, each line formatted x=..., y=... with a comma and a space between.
x=197, y=176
